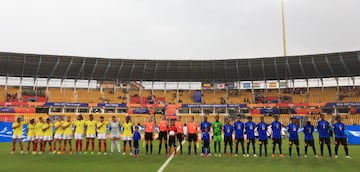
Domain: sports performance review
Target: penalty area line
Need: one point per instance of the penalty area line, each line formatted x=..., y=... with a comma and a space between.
x=169, y=159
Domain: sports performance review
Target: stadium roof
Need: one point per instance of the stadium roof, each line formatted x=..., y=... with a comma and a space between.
x=343, y=64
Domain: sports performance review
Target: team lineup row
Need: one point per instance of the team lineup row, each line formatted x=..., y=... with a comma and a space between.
x=41, y=133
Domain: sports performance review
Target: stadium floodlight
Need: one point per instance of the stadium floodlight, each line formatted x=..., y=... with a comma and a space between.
x=283, y=25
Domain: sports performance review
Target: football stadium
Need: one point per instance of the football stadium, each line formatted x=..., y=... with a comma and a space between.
x=65, y=112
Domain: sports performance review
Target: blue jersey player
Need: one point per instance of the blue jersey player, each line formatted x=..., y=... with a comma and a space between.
x=263, y=138
x=276, y=135
x=239, y=135
x=293, y=129
x=228, y=140
x=250, y=135
x=309, y=138
x=136, y=138
x=340, y=137
x=324, y=134
x=206, y=141
x=205, y=124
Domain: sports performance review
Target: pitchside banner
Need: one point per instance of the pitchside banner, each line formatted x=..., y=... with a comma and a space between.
x=353, y=133
x=6, y=132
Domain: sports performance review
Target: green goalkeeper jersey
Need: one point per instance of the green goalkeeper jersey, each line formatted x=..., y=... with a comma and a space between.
x=217, y=127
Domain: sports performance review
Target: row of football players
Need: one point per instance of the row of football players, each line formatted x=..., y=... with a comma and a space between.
x=239, y=128
x=41, y=133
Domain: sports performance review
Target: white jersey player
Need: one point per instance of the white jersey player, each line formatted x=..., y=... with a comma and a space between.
x=115, y=134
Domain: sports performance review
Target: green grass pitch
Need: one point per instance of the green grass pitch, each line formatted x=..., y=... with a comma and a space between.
x=46, y=162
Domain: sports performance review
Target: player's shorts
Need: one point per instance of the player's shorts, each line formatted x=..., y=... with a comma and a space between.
x=206, y=143
x=48, y=138
x=127, y=138
x=241, y=140
x=67, y=136
x=263, y=142
x=192, y=138
x=228, y=139
x=17, y=136
x=217, y=138
x=39, y=137
x=114, y=135
x=163, y=135
x=277, y=141
x=31, y=138
x=101, y=136
x=90, y=136
x=172, y=141
x=58, y=136
x=340, y=141
x=149, y=136
x=295, y=142
x=180, y=137
x=250, y=141
x=324, y=140
x=309, y=142
x=78, y=136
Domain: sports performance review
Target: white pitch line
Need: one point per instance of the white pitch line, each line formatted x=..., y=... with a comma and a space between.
x=170, y=158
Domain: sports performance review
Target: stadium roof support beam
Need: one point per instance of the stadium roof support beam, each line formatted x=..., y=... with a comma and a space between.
x=23, y=66
x=251, y=77
x=263, y=69
x=302, y=67
x=288, y=67
x=156, y=68
x=144, y=69
x=225, y=70
x=38, y=67
x=120, y=68
x=94, y=68
x=329, y=65
x=55, y=67
x=167, y=72
x=107, y=69
x=276, y=69
x=132, y=70
x=237, y=70
x=68, y=67
x=81, y=67
x=314, y=65
x=344, y=65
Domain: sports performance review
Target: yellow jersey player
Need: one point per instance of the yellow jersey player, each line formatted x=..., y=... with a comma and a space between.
x=90, y=134
x=39, y=134
x=58, y=134
x=68, y=133
x=127, y=135
x=17, y=135
x=48, y=132
x=31, y=136
x=101, y=128
x=79, y=132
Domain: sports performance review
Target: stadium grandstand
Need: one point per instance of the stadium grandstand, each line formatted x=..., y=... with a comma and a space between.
x=34, y=85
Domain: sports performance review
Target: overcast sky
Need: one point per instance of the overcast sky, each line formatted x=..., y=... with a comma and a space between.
x=182, y=29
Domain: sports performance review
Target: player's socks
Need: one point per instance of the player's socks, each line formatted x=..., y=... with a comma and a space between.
x=105, y=148
x=260, y=150
x=99, y=146
x=322, y=149
x=168, y=152
x=195, y=149
x=124, y=148
x=247, y=148
x=81, y=144
x=215, y=145
x=13, y=146
x=112, y=146
x=298, y=151
x=280, y=149
x=87, y=145
x=54, y=145
x=336, y=149
x=265, y=150
x=219, y=147
x=28, y=147
x=77, y=146
x=160, y=145
x=189, y=149
x=231, y=149
x=151, y=148
x=290, y=151
x=329, y=149
x=236, y=147
x=314, y=150
x=253, y=144
x=118, y=146
x=273, y=149
x=147, y=148
x=92, y=145
x=346, y=150
x=166, y=148
x=306, y=149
